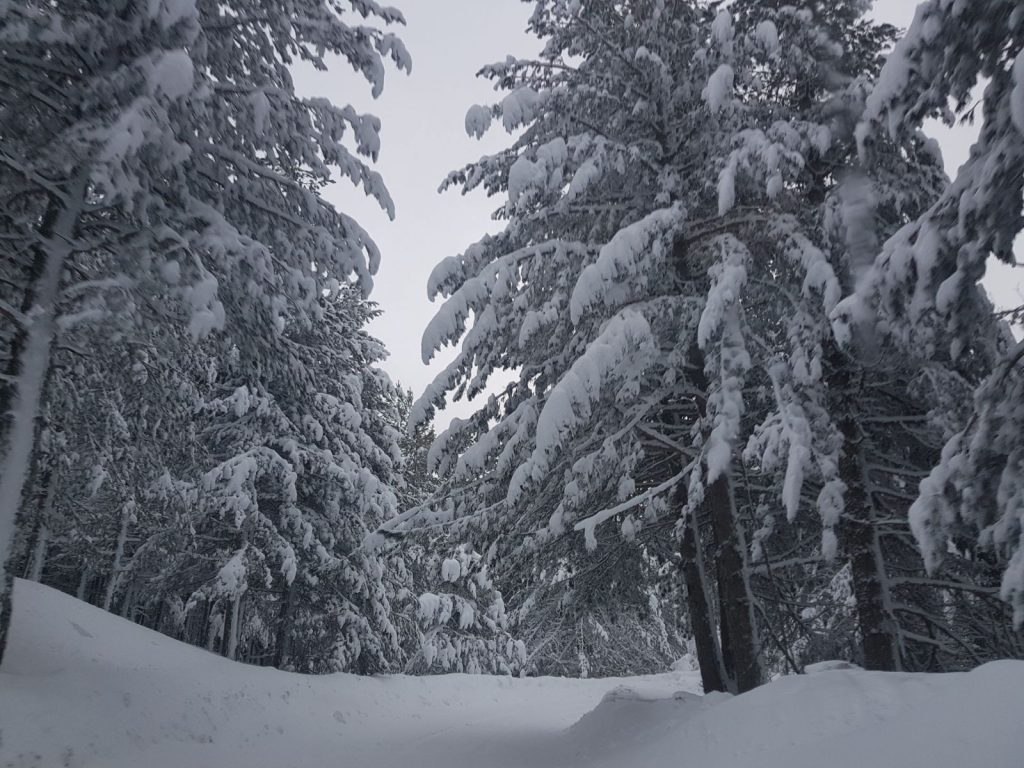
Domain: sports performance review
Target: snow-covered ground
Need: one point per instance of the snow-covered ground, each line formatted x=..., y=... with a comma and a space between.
x=80, y=687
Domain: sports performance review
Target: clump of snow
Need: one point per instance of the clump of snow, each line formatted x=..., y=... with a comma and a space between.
x=719, y=88
x=172, y=74
x=170, y=12
x=829, y=666
x=451, y=569
x=767, y=35
x=519, y=108
x=722, y=29
x=478, y=120
x=685, y=663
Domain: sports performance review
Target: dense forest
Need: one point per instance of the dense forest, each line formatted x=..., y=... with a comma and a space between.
x=761, y=410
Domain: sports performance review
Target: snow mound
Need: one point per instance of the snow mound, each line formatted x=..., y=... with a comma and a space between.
x=828, y=666
x=627, y=721
x=81, y=688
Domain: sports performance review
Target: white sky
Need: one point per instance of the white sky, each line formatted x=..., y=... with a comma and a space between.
x=423, y=138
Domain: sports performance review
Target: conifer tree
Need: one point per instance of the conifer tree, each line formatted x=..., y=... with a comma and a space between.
x=165, y=143
x=921, y=294
x=684, y=212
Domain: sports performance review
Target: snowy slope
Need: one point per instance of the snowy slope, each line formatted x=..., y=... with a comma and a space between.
x=83, y=688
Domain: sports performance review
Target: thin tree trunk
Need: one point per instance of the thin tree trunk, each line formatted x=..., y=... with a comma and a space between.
x=879, y=643
x=39, y=553
x=214, y=628
x=83, y=584
x=283, y=649
x=115, y=571
x=30, y=365
x=232, y=639
x=128, y=603
x=708, y=653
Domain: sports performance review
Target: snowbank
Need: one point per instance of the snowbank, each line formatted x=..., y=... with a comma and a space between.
x=82, y=688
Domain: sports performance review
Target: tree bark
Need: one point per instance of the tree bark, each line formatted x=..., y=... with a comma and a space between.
x=30, y=364
x=739, y=635
x=740, y=646
x=701, y=624
x=115, y=569
x=283, y=649
x=857, y=528
x=38, y=562
x=233, y=631
x=879, y=643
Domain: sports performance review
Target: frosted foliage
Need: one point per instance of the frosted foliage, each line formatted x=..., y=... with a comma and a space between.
x=768, y=35
x=519, y=108
x=678, y=227
x=922, y=293
x=478, y=120
x=722, y=29
x=181, y=173
x=451, y=570
x=633, y=252
x=619, y=354
x=462, y=626
x=980, y=481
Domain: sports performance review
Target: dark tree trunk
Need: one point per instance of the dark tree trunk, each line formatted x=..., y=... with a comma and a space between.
x=283, y=644
x=12, y=372
x=877, y=627
x=740, y=647
x=857, y=529
x=739, y=634
x=701, y=624
x=6, y=606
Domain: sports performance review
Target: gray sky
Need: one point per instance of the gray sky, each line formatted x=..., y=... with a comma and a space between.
x=423, y=138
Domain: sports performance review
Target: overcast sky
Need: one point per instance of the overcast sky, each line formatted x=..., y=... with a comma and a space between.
x=423, y=138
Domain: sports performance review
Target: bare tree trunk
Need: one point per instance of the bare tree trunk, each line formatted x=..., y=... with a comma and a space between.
x=879, y=643
x=740, y=646
x=38, y=562
x=739, y=635
x=233, y=630
x=214, y=627
x=283, y=649
x=858, y=531
x=115, y=570
x=708, y=653
x=29, y=365
x=83, y=584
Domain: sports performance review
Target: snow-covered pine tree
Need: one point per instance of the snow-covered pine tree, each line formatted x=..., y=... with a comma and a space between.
x=168, y=136
x=74, y=117
x=854, y=430
x=417, y=482
x=660, y=262
x=307, y=468
x=922, y=292
x=612, y=293
x=460, y=619
x=121, y=411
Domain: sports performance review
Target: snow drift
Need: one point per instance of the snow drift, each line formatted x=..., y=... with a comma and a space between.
x=80, y=687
